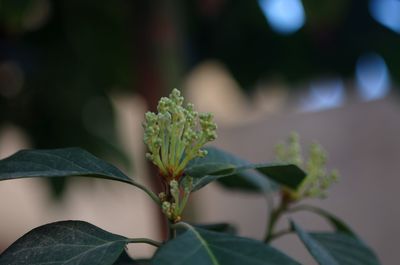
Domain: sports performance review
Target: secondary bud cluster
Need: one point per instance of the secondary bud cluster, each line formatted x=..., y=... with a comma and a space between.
x=179, y=193
x=176, y=134
x=318, y=179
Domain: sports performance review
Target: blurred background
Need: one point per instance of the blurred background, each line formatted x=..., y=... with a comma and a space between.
x=82, y=73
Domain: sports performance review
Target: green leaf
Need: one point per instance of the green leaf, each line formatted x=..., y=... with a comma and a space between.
x=237, y=173
x=203, y=247
x=336, y=248
x=215, y=163
x=65, y=242
x=232, y=172
x=288, y=175
x=336, y=222
x=58, y=163
x=218, y=227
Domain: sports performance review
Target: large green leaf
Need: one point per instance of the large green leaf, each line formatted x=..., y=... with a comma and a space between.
x=65, y=243
x=202, y=247
x=336, y=248
x=58, y=163
x=237, y=173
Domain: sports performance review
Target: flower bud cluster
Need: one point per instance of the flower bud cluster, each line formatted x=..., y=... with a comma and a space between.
x=318, y=179
x=178, y=197
x=176, y=134
x=290, y=152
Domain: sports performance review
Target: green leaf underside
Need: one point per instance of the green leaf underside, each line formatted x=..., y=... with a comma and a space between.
x=201, y=247
x=58, y=163
x=336, y=248
x=65, y=243
x=235, y=172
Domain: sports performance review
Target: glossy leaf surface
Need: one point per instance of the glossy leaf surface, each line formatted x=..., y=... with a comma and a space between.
x=237, y=173
x=58, y=163
x=202, y=247
x=67, y=243
x=336, y=248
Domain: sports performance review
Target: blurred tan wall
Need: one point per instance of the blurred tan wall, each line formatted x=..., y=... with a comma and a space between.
x=362, y=140
x=116, y=207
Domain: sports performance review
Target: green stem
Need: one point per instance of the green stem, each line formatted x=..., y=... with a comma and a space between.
x=190, y=155
x=305, y=207
x=280, y=233
x=151, y=194
x=164, y=147
x=274, y=218
x=171, y=231
x=172, y=145
x=145, y=241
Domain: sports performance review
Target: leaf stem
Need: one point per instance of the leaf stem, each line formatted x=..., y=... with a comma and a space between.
x=280, y=233
x=145, y=241
x=304, y=207
x=171, y=231
x=274, y=218
x=151, y=194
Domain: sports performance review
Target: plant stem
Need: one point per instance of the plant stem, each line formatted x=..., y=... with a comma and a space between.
x=152, y=195
x=171, y=232
x=274, y=218
x=280, y=233
x=145, y=241
x=172, y=229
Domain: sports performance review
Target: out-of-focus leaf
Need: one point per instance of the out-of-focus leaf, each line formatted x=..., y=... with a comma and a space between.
x=240, y=174
x=336, y=248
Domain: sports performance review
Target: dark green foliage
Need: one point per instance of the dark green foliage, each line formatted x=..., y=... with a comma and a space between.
x=202, y=247
x=66, y=242
x=78, y=242
x=240, y=174
x=58, y=163
x=336, y=248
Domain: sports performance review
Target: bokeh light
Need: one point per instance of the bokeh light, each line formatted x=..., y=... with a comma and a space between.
x=386, y=12
x=284, y=16
x=372, y=76
x=324, y=94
